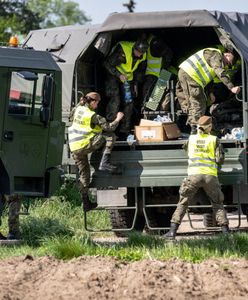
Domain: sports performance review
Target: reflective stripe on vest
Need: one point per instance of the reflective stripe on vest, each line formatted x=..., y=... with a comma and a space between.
x=128, y=68
x=201, y=152
x=154, y=64
x=197, y=67
x=81, y=132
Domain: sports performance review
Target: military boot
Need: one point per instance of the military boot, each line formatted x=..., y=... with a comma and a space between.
x=171, y=234
x=87, y=204
x=105, y=165
x=2, y=237
x=225, y=229
x=14, y=235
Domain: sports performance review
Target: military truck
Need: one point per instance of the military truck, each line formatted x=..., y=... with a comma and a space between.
x=147, y=191
x=32, y=131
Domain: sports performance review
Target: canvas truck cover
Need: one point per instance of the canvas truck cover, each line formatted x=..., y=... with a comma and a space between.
x=66, y=43
x=70, y=42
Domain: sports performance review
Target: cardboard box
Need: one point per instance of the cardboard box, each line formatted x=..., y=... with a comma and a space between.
x=150, y=131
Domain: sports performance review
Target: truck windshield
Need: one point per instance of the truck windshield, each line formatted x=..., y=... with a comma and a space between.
x=25, y=96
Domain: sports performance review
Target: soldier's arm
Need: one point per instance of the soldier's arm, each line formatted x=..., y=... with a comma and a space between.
x=102, y=122
x=167, y=57
x=116, y=58
x=215, y=61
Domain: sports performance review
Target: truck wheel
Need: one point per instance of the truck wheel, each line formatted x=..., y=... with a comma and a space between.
x=123, y=219
x=244, y=208
x=159, y=219
x=209, y=220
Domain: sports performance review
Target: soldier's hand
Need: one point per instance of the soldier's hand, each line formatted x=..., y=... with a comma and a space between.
x=235, y=89
x=123, y=77
x=119, y=116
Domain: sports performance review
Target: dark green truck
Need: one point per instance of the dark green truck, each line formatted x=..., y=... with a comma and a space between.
x=32, y=131
x=147, y=191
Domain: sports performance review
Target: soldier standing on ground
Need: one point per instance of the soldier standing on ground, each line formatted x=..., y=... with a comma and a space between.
x=195, y=74
x=86, y=136
x=14, y=206
x=124, y=62
x=205, y=157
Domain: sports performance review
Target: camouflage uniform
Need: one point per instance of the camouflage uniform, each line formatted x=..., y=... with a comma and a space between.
x=211, y=186
x=105, y=140
x=14, y=205
x=113, y=88
x=191, y=95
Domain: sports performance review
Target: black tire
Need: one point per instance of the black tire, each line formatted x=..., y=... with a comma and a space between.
x=244, y=208
x=158, y=219
x=123, y=218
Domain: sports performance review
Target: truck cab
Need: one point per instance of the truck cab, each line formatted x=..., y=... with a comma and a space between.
x=31, y=127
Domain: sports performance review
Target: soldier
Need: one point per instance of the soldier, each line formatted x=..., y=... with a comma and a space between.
x=159, y=56
x=86, y=136
x=205, y=157
x=14, y=205
x=125, y=61
x=195, y=73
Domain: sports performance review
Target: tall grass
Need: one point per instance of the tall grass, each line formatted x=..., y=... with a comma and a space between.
x=56, y=227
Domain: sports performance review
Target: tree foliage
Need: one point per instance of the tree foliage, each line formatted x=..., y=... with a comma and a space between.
x=21, y=16
x=16, y=17
x=57, y=12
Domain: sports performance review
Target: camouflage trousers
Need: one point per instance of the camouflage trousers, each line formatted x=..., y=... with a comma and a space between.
x=188, y=189
x=105, y=140
x=14, y=205
x=191, y=97
x=113, y=91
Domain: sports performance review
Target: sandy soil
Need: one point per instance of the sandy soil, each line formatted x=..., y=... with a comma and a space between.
x=107, y=278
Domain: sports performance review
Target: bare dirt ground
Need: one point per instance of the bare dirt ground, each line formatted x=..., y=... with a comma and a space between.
x=46, y=278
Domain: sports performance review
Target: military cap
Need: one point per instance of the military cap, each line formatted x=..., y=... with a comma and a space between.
x=94, y=96
x=205, y=121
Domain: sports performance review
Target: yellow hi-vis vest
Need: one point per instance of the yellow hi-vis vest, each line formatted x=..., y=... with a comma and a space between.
x=81, y=132
x=154, y=64
x=198, y=69
x=201, y=152
x=128, y=68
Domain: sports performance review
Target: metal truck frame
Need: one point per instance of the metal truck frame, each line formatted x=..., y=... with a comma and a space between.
x=147, y=191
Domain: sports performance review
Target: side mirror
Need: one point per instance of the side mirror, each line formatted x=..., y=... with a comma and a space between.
x=47, y=96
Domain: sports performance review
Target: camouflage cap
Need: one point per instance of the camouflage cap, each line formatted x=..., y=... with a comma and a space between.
x=205, y=121
x=93, y=96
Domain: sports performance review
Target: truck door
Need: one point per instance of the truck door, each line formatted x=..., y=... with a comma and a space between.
x=25, y=131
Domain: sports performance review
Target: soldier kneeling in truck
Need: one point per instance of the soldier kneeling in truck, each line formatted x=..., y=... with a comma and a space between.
x=85, y=136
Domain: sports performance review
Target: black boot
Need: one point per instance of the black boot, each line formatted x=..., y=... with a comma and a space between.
x=87, y=204
x=105, y=164
x=2, y=237
x=14, y=236
x=225, y=229
x=171, y=234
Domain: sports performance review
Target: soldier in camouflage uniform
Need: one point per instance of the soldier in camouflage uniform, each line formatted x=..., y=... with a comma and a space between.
x=205, y=157
x=126, y=62
x=195, y=74
x=14, y=205
x=86, y=136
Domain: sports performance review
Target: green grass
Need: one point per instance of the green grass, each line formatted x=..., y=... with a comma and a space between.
x=56, y=227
